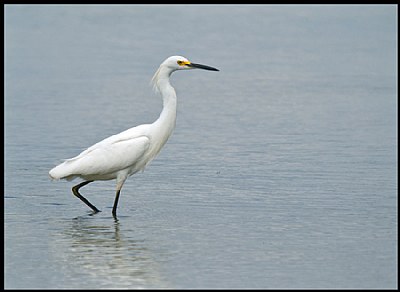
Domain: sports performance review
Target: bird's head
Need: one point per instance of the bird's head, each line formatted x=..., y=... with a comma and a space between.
x=181, y=63
x=172, y=64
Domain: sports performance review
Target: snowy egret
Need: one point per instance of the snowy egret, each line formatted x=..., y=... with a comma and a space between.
x=122, y=155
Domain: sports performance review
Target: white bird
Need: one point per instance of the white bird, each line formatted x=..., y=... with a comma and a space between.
x=124, y=154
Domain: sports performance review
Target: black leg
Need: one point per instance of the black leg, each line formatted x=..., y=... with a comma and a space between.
x=114, y=211
x=75, y=190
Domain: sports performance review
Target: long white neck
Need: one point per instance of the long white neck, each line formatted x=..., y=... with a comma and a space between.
x=166, y=121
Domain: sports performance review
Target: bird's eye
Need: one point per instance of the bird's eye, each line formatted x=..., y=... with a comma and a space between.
x=180, y=63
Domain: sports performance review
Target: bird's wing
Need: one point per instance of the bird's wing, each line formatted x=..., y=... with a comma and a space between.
x=105, y=158
x=114, y=153
x=129, y=134
x=112, y=157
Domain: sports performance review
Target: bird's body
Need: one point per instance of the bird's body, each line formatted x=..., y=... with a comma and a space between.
x=124, y=154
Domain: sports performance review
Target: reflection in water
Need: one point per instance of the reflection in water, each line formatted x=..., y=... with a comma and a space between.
x=97, y=251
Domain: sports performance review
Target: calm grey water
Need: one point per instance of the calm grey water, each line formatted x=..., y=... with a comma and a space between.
x=281, y=173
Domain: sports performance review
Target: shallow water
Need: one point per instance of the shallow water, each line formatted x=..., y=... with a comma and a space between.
x=281, y=172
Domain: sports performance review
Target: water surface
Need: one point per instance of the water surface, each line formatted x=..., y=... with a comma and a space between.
x=281, y=173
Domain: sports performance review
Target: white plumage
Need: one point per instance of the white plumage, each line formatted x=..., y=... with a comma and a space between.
x=122, y=155
x=105, y=159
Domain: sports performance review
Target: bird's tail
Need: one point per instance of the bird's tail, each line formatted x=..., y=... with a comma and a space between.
x=62, y=171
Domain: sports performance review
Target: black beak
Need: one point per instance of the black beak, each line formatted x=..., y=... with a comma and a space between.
x=199, y=66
